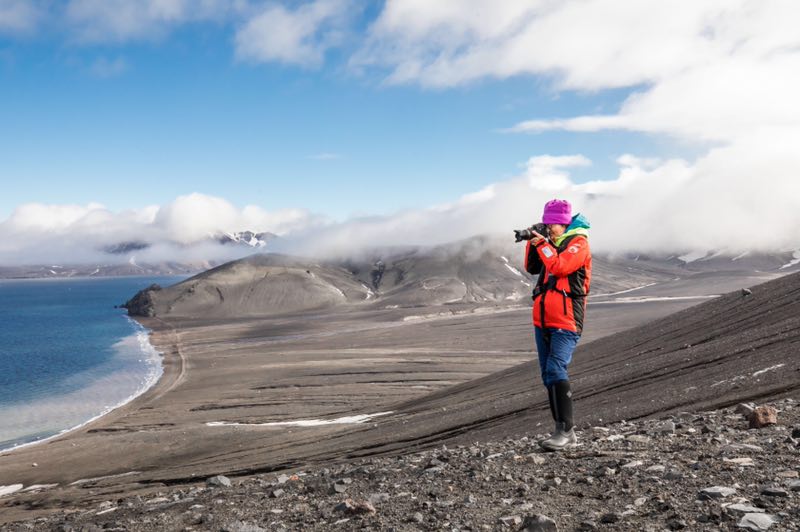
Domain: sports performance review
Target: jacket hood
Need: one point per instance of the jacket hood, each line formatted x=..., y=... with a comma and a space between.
x=578, y=226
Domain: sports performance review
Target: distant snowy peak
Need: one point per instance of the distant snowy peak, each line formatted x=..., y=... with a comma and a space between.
x=242, y=238
x=248, y=238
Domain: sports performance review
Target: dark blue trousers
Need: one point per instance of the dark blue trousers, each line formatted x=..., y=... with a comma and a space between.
x=555, y=347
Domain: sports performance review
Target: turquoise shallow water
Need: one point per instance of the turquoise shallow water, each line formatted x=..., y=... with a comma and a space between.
x=67, y=355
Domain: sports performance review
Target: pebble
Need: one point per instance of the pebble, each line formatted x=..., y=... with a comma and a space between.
x=763, y=416
x=610, y=517
x=756, y=521
x=667, y=427
x=219, y=481
x=715, y=492
x=744, y=461
x=355, y=507
x=743, y=508
x=676, y=524
x=377, y=498
x=538, y=523
x=774, y=491
x=511, y=520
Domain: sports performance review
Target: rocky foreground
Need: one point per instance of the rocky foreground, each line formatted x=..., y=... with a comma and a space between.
x=692, y=471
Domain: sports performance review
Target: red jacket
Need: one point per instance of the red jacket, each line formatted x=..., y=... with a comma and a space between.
x=565, y=274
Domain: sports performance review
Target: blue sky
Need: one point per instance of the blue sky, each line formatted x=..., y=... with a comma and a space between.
x=181, y=114
x=395, y=121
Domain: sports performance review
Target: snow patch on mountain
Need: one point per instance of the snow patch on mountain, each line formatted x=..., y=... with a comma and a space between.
x=795, y=260
x=693, y=256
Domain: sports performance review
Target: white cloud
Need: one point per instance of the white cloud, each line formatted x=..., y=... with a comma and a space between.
x=652, y=206
x=721, y=75
x=36, y=232
x=300, y=36
x=19, y=16
x=708, y=70
x=126, y=20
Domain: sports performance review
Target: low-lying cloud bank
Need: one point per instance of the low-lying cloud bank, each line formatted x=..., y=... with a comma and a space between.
x=185, y=230
x=733, y=199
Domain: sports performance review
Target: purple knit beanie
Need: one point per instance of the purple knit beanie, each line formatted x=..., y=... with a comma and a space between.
x=557, y=212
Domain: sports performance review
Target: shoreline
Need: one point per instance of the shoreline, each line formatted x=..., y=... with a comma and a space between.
x=155, y=354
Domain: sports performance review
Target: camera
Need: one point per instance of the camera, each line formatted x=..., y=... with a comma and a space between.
x=527, y=234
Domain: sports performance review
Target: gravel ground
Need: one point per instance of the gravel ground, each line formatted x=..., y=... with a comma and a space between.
x=690, y=471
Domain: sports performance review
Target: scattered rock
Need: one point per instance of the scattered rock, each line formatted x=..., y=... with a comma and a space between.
x=538, y=523
x=756, y=521
x=239, y=526
x=377, y=498
x=743, y=509
x=715, y=492
x=774, y=491
x=511, y=520
x=628, y=477
x=676, y=524
x=667, y=427
x=610, y=517
x=763, y=416
x=744, y=461
x=351, y=506
x=219, y=481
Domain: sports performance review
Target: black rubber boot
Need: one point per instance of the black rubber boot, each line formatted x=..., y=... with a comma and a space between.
x=564, y=434
x=551, y=396
x=563, y=400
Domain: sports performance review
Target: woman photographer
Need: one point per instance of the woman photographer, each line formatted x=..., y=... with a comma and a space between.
x=563, y=262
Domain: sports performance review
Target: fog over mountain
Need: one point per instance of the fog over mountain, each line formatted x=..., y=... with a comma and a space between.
x=668, y=207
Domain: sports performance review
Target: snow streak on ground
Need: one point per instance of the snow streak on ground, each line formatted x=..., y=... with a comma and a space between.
x=361, y=418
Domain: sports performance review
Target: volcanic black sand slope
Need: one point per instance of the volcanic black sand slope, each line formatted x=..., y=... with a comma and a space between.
x=225, y=379
x=738, y=347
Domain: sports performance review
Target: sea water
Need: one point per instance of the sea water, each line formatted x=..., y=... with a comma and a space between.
x=67, y=355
